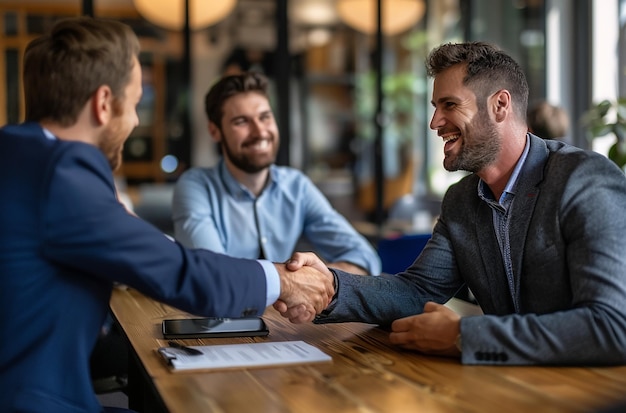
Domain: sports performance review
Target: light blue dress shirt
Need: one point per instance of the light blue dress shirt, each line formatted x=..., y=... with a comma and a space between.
x=212, y=210
x=502, y=219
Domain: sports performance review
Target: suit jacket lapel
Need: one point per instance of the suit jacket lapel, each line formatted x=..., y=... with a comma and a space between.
x=526, y=196
x=499, y=300
x=526, y=193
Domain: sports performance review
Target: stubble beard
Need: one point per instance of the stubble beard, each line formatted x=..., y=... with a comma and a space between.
x=112, y=144
x=249, y=163
x=480, y=146
x=113, y=137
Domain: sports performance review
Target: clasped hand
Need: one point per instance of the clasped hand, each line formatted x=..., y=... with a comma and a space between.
x=306, y=287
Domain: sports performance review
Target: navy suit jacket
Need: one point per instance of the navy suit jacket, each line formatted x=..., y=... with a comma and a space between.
x=566, y=303
x=64, y=240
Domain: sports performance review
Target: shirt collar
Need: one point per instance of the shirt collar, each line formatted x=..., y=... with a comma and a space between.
x=235, y=187
x=48, y=134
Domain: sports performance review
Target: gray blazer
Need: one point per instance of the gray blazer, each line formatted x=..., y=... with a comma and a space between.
x=567, y=304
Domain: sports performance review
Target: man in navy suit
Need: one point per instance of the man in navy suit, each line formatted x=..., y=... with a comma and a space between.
x=65, y=238
x=537, y=232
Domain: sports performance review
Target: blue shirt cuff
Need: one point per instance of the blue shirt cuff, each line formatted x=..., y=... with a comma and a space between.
x=272, y=281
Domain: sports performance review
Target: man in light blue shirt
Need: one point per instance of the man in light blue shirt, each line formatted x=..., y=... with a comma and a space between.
x=248, y=207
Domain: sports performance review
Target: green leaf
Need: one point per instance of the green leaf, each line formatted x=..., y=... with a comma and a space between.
x=620, y=131
x=604, y=107
x=617, y=154
x=600, y=129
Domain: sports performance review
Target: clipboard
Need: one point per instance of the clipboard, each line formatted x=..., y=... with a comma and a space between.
x=245, y=355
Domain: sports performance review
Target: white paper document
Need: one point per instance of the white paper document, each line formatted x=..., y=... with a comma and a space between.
x=243, y=355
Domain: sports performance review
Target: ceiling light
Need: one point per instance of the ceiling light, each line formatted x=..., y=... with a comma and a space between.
x=170, y=14
x=313, y=12
x=397, y=15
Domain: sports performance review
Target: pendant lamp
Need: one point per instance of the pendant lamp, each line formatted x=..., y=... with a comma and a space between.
x=397, y=15
x=170, y=14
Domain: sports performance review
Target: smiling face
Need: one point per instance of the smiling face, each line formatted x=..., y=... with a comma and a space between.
x=124, y=120
x=470, y=135
x=248, y=133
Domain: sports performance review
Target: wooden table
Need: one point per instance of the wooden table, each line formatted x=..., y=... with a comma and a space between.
x=367, y=375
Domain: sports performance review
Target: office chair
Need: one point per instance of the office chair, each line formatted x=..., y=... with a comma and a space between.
x=397, y=254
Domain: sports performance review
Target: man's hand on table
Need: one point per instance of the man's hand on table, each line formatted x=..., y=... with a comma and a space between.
x=435, y=331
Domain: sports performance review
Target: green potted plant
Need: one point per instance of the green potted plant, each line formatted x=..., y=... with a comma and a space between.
x=609, y=117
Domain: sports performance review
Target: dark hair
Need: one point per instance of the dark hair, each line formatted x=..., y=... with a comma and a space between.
x=488, y=69
x=548, y=121
x=64, y=68
x=229, y=86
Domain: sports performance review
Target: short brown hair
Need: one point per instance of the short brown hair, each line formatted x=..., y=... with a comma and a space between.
x=488, y=69
x=548, y=121
x=62, y=69
x=229, y=86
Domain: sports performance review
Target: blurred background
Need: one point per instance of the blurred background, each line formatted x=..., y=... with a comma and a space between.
x=348, y=87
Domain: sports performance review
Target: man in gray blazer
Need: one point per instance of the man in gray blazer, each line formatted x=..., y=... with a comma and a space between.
x=537, y=232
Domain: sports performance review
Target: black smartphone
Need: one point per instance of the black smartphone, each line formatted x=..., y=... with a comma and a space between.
x=212, y=327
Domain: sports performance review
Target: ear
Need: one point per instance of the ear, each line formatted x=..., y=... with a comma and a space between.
x=215, y=132
x=102, y=104
x=501, y=104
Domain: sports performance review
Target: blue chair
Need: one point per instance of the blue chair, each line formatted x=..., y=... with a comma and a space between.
x=397, y=254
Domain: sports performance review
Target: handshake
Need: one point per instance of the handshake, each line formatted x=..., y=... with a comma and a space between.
x=306, y=287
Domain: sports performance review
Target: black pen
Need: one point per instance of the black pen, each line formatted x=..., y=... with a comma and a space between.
x=188, y=350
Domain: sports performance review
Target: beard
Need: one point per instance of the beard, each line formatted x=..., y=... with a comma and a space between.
x=111, y=144
x=249, y=163
x=111, y=141
x=479, y=148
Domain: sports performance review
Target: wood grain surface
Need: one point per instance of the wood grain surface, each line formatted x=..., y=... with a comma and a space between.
x=367, y=375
